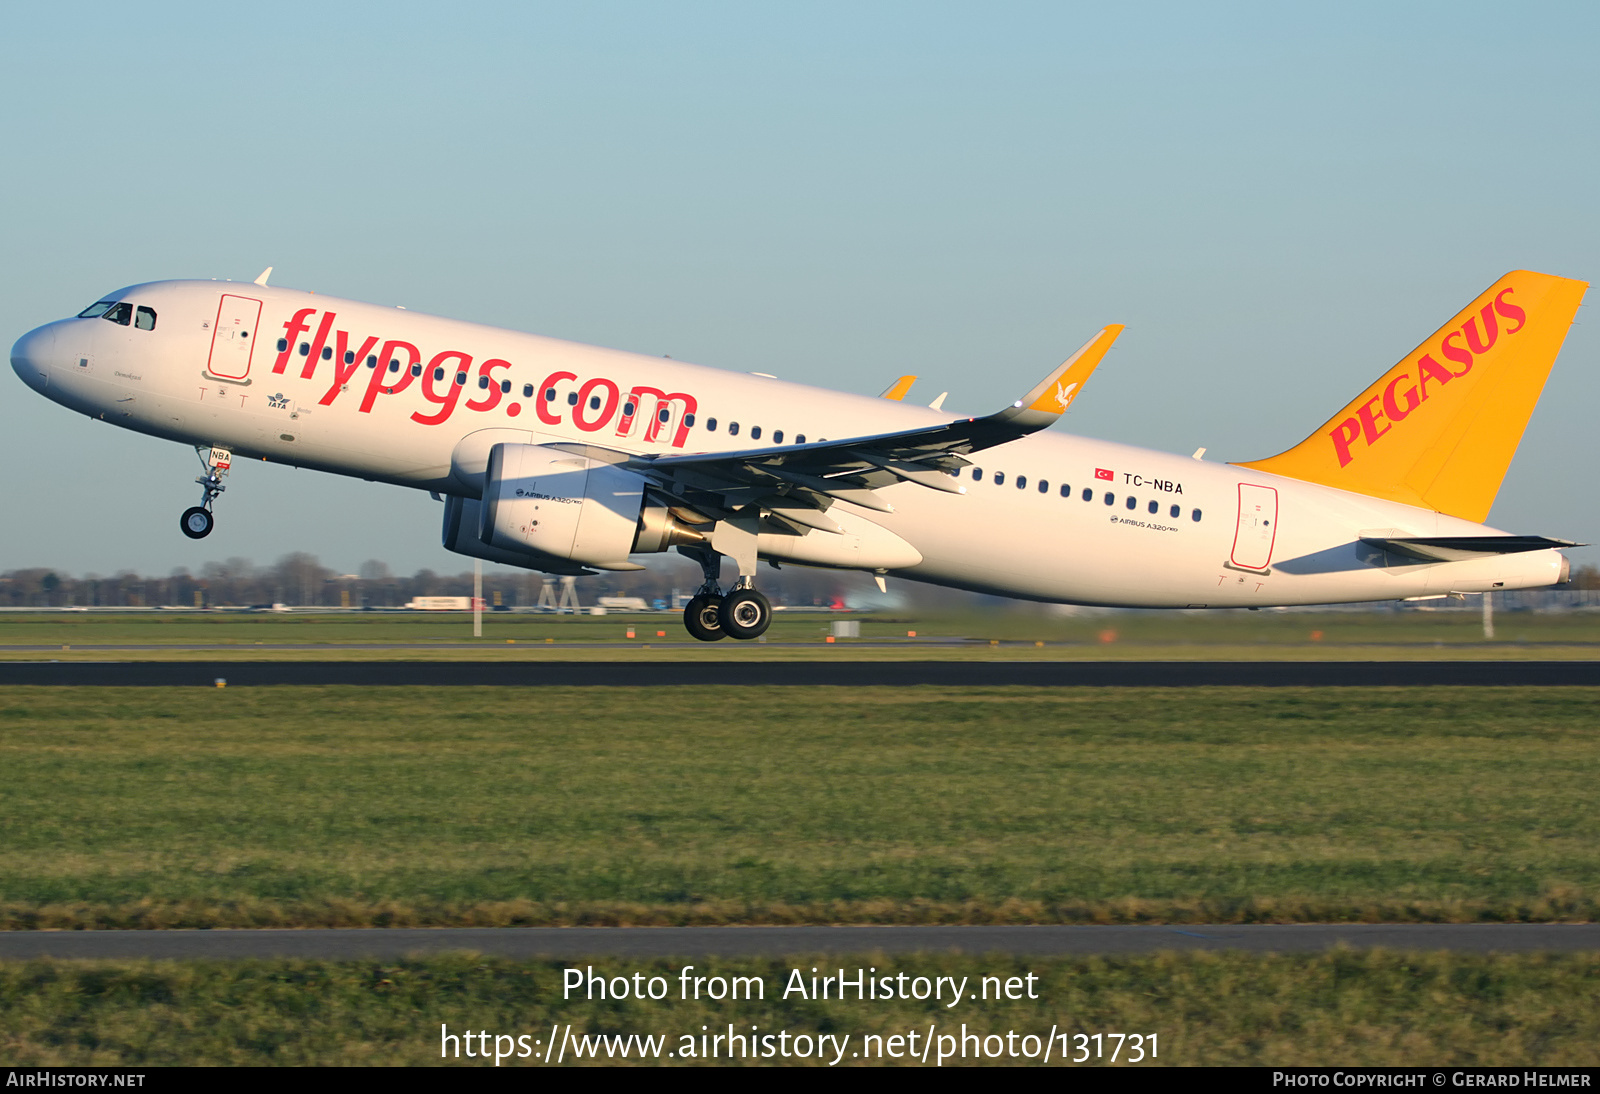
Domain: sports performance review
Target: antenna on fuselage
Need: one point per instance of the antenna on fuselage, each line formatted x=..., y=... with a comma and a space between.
x=266, y=273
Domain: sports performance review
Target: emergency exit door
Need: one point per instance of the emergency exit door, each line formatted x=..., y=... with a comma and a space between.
x=1258, y=526
x=233, y=338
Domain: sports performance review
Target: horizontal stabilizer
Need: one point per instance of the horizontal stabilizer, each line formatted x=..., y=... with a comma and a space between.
x=1463, y=548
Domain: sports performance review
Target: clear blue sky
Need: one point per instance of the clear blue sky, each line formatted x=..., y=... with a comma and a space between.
x=1279, y=201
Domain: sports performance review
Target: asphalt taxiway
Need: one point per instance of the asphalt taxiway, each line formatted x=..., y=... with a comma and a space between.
x=805, y=673
x=657, y=942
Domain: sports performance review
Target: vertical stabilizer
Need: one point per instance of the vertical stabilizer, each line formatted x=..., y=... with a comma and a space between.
x=1439, y=429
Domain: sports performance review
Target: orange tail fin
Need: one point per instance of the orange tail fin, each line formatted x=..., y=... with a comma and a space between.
x=1439, y=429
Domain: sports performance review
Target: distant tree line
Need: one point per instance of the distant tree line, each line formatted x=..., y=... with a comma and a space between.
x=300, y=580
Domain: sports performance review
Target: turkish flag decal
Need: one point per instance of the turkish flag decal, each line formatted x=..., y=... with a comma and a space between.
x=1102, y=473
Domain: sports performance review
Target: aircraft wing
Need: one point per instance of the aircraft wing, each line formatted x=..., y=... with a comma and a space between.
x=797, y=483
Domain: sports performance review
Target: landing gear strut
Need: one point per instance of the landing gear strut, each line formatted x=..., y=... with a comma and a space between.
x=197, y=521
x=709, y=616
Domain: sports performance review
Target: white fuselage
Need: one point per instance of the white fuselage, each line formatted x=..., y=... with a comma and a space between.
x=1157, y=530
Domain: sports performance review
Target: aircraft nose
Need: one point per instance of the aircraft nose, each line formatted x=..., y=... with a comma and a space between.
x=32, y=356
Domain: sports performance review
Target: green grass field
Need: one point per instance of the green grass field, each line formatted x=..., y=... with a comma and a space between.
x=1230, y=635
x=345, y=806
x=1346, y=1008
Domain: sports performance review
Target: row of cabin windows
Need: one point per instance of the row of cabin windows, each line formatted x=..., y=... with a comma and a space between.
x=1110, y=497
x=122, y=313
x=663, y=413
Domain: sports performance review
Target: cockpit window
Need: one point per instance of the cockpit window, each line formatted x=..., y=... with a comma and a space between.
x=97, y=309
x=120, y=313
x=145, y=319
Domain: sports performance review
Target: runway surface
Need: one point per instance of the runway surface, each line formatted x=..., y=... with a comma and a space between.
x=648, y=942
x=807, y=673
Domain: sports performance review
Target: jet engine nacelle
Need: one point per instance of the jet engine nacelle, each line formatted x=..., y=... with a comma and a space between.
x=543, y=500
x=461, y=522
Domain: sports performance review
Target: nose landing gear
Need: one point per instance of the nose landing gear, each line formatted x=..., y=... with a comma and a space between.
x=197, y=521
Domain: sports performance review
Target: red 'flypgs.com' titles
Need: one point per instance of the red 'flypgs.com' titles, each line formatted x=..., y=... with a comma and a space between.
x=397, y=364
x=1370, y=423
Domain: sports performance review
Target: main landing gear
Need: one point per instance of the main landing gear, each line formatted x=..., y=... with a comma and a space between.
x=197, y=521
x=744, y=613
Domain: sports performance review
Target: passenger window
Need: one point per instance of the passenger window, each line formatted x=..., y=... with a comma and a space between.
x=527, y=391
x=733, y=429
x=777, y=436
x=1044, y=487
x=416, y=370
x=549, y=394
x=594, y=401
x=799, y=438
x=665, y=414
x=1155, y=507
x=283, y=344
x=99, y=308
x=1066, y=491
x=394, y=364
x=120, y=313
x=483, y=383
x=327, y=353
x=438, y=374
x=1111, y=499
x=572, y=398
x=1195, y=516
x=999, y=478
x=1133, y=503
x=505, y=387
x=1175, y=512
x=977, y=474
x=755, y=433
x=147, y=321
x=688, y=421
x=1088, y=494
x=349, y=356
x=372, y=360
x=1022, y=482
x=305, y=349
x=627, y=410
x=711, y=425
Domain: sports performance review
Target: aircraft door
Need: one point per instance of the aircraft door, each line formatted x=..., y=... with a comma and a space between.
x=233, y=339
x=1258, y=526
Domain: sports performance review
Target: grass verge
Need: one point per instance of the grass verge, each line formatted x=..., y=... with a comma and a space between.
x=1346, y=1008
x=410, y=806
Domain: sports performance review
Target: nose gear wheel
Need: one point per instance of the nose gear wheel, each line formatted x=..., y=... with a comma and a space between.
x=196, y=522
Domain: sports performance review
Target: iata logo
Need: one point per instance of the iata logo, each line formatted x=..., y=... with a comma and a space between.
x=1404, y=394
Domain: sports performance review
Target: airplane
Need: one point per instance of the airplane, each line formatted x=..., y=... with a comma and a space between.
x=574, y=459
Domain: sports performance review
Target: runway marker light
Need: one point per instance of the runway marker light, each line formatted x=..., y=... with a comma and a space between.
x=828, y=639
x=911, y=634
x=511, y=641
x=661, y=634
x=1039, y=645
x=630, y=632
x=1316, y=636
x=1107, y=637
x=221, y=683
